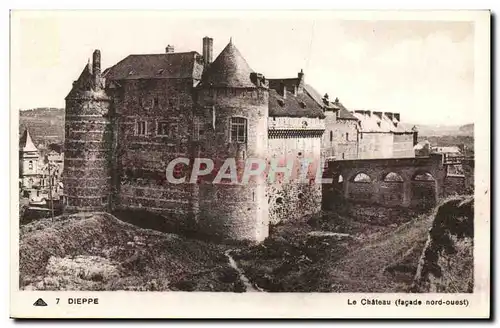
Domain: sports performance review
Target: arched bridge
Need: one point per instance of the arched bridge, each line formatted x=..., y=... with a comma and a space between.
x=407, y=182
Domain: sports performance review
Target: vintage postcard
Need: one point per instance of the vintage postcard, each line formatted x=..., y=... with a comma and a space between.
x=250, y=164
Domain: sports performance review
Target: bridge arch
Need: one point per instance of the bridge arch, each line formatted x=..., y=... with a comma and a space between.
x=421, y=175
x=391, y=189
x=361, y=177
x=391, y=177
x=360, y=187
x=423, y=190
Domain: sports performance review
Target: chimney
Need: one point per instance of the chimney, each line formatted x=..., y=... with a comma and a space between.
x=169, y=49
x=415, y=135
x=208, y=50
x=326, y=99
x=300, y=84
x=283, y=90
x=96, y=66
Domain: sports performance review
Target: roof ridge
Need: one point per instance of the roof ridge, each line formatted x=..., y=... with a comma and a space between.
x=167, y=54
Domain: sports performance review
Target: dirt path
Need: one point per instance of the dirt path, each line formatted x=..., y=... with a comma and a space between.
x=246, y=282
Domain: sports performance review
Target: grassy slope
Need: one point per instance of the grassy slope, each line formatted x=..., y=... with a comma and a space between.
x=385, y=263
x=97, y=252
x=100, y=252
x=374, y=259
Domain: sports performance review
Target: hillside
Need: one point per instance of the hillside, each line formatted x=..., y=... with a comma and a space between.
x=467, y=129
x=444, y=130
x=100, y=252
x=46, y=125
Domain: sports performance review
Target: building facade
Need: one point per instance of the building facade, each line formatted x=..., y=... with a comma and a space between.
x=29, y=163
x=125, y=126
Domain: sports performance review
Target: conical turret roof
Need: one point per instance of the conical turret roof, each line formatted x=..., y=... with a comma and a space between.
x=229, y=70
x=26, y=144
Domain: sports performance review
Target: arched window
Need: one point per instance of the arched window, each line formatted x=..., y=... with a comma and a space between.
x=362, y=178
x=238, y=129
x=393, y=177
x=30, y=165
x=423, y=176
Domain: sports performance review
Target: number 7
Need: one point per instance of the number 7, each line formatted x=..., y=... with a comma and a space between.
x=57, y=300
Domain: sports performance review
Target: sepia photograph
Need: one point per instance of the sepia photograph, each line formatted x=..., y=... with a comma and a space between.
x=261, y=152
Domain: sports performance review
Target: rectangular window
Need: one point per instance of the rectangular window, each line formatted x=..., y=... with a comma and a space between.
x=166, y=129
x=156, y=101
x=347, y=136
x=331, y=135
x=199, y=130
x=140, y=128
x=172, y=102
x=238, y=130
x=162, y=128
x=173, y=130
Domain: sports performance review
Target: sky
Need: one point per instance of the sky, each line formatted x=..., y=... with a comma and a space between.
x=421, y=69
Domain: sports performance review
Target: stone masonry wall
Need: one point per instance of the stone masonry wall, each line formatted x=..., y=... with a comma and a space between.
x=375, y=145
x=345, y=138
x=142, y=159
x=403, y=145
x=234, y=211
x=88, y=139
x=295, y=199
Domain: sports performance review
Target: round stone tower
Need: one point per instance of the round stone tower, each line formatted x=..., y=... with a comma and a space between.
x=88, y=142
x=232, y=103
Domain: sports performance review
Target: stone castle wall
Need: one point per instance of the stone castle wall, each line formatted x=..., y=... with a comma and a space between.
x=236, y=211
x=375, y=145
x=142, y=159
x=294, y=199
x=403, y=145
x=87, y=160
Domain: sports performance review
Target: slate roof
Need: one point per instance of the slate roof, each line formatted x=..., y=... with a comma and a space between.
x=26, y=144
x=290, y=83
x=301, y=105
x=343, y=113
x=177, y=65
x=314, y=94
x=373, y=122
x=229, y=70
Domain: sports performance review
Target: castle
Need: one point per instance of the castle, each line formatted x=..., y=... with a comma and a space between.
x=125, y=124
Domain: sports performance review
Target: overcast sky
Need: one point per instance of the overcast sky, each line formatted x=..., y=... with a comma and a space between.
x=422, y=69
